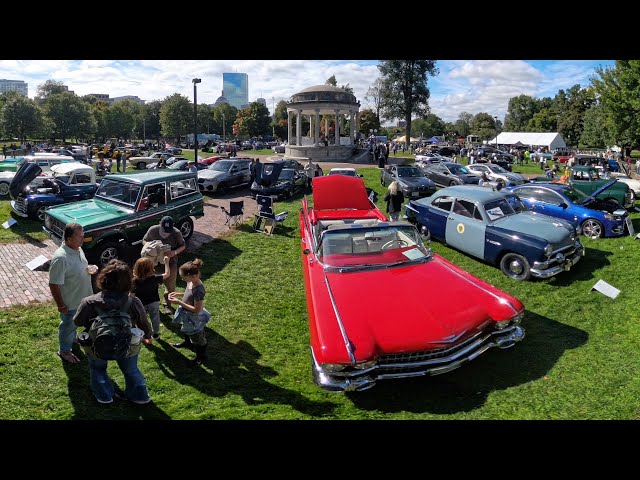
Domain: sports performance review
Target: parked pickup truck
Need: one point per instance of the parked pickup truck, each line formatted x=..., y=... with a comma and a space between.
x=586, y=179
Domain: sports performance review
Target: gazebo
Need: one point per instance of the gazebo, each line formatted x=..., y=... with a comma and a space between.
x=334, y=104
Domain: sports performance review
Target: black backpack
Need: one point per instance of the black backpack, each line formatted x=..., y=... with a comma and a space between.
x=111, y=332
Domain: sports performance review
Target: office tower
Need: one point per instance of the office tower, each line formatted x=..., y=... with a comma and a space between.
x=236, y=88
x=13, y=86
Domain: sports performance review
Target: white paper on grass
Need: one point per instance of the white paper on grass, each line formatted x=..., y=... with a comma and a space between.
x=637, y=209
x=632, y=232
x=37, y=262
x=606, y=289
x=9, y=223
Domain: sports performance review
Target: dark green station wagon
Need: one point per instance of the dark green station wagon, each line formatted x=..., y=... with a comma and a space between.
x=123, y=209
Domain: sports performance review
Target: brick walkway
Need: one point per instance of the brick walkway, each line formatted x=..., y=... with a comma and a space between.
x=19, y=285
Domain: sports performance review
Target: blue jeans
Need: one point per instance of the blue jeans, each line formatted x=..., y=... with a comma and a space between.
x=66, y=331
x=102, y=388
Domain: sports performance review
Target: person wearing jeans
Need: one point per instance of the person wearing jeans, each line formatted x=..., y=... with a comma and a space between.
x=69, y=282
x=115, y=283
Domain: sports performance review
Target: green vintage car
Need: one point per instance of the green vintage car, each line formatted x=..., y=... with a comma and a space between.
x=586, y=179
x=123, y=209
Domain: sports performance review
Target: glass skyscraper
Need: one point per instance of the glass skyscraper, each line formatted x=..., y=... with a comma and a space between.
x=236, y=89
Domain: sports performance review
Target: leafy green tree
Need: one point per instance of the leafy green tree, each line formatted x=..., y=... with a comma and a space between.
x=152, y=119
x=463, y=124
x=225, y=114
x=618, y=90
x=368, y=121
x=374, y=97
x=520, y=111
x=281, y=119
x=544, y=120
x=122, y=116
x=429, y=126
x=100, y=113
x=206, y=120
x=404, y=89
x=176, y=116
x=50, y=87
x=20, y=117
x=69, y=116
x=597, y=129
x=484, y=126
x=253, y=121
x=332, y=81
x=570, y=123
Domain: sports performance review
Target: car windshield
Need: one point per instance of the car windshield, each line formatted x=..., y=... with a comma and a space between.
x=286, y=174
x=221, y=166
x=576, y=196
x=496, y=169
x=350, y=173
x=63, y=177
x=496, y=209
x=177, y=165
x=373, y=247
x=410, y=172
x=457, y=169
x=120, y=192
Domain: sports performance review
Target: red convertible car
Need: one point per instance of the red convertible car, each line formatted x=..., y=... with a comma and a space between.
x=380, y=304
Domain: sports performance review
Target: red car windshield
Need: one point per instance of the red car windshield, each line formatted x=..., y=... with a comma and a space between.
x=359, y=248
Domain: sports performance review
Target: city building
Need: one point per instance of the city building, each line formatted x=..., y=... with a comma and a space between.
x=262, y=101
x=236, y=89
x=101, y=97
x=221, y=99
x=133, y=98
x=13, y=86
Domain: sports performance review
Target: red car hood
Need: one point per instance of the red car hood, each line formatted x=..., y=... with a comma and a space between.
x=414, y=308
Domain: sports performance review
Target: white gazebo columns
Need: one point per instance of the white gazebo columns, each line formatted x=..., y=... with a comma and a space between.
x=289, y=125
x=336, y=138
x=316, y=129
x=299, y=128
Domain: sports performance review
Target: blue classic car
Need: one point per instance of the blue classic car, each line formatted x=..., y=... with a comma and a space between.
x=497, y=227
x=70, y=182
x=597, y=218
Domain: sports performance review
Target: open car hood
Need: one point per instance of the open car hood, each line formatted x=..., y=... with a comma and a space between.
x=24, y=176
x=598, y=192
x=267, y=173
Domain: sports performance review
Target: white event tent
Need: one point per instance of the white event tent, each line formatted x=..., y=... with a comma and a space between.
x=537, y=139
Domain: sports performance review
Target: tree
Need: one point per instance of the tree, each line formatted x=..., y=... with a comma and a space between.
x=618, y=91
x=225, y=116
x=176, y=116
x=69, y=116
x=206, y=120
x=253, y=121
x=368, y=121
x=100, y=113
x=281, y=120
x=520, y=111
x=122, y=117
x=374, y=97
x=597, y=129
x=543, y=121
x=484, y=126
x=152, y=119
x=463, y=124
x=570, y=123
x=404, y=89
x=20, y=117
x=332, y=81
x=50, y=87
x=429, y=126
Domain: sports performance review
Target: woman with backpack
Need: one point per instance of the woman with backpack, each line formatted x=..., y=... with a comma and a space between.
x=115, y=311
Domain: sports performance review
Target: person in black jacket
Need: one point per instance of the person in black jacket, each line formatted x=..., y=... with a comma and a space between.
x=394, y=199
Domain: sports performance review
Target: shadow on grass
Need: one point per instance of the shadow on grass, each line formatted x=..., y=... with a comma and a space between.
x=593, y=260
x=467, y=388
x=216, y=255
x=85, y=406
x=231, y=368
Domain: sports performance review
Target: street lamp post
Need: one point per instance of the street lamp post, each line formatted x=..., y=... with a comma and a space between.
x=496, y=124
x=224, y=135
x=273, y=119
x=195, y=117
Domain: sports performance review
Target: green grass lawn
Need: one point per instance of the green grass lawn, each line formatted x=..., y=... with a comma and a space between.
x=579, y=359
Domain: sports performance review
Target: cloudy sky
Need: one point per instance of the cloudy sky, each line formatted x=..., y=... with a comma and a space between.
x=462, y=85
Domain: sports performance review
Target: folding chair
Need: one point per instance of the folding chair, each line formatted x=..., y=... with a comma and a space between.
x=266, y=220
x=234, y=214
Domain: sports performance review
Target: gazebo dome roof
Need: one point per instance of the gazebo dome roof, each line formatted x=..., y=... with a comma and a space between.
x=324, y=93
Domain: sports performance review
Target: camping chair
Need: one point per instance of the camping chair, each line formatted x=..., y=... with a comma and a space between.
x=266, y=220
x=234, y=214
